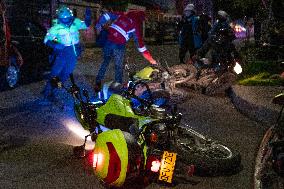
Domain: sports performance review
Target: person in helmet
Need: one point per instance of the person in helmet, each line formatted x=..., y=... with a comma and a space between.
x=63, y=38
x=218, y=49
x=189, y=35
x=222, y=21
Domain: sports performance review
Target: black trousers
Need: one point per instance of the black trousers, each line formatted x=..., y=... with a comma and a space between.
x=183, y=50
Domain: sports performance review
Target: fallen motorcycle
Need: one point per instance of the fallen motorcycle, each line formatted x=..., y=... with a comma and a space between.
x=269, y=168
x=178, y=79
x=164, y=150
x=165, y=80
x=214, y=79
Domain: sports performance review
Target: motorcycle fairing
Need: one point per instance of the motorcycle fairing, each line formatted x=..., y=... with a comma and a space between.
x=145, y=73
x=117, y=105
x=117, y=141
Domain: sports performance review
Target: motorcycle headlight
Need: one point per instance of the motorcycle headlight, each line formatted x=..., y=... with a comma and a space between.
x=97, y=159
x=238, y=68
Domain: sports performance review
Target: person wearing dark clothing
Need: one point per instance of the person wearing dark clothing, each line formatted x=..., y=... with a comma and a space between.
x=189, y=36
x=221, y=22
x=219, y=50
x=205, y=26
x=217, y=63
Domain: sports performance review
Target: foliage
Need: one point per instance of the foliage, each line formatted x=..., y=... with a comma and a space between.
x=264, y=79
x=262, y=73
x=262, y=64
x=238, y=8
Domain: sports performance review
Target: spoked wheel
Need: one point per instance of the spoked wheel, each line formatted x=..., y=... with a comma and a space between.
x=209, y=157
x=12, y=75
x=265, y=176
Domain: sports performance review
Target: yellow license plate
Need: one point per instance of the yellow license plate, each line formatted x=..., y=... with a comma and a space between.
x=167, y=166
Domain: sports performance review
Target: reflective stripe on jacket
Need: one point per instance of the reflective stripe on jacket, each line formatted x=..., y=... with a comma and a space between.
x=124, y=28
x=66, y=35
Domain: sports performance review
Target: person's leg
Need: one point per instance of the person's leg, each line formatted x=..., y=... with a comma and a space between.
x=107, y=51
x=55, y=71
x=192, y=52
x=118, y=59
x=70, y=63
x=182, y=53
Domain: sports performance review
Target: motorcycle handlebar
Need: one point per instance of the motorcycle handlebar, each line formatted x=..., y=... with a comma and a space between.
x=132, y=90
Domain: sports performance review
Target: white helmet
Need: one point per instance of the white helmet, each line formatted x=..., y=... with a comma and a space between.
x=189, y=7
x=223, y=14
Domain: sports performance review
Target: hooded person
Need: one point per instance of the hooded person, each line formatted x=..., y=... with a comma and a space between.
x=189, y=35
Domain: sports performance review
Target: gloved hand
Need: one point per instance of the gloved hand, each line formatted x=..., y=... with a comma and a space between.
x=147, y=56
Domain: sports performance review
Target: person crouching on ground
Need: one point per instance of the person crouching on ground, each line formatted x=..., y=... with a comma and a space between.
x=63, y=38
x=125, y=27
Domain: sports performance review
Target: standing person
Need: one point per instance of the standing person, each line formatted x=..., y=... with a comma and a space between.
x=189, y=35
x=63, y=37
x=126, y=26
x=222, y=21
x=250, y=30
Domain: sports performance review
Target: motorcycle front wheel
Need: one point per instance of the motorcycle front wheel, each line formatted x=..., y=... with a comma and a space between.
x=209, y=157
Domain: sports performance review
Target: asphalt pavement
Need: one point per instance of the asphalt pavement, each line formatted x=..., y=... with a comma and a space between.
x=36, y=141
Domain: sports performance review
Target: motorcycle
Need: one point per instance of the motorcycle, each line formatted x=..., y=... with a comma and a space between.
x=199, y=76
x=165, y=151
x=269, y=168
x=214, y=79
x=166, y=79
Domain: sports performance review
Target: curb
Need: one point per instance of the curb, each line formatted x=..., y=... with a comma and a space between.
x=253, y=111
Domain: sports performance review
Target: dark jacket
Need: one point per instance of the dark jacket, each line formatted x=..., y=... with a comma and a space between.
x=189, y=32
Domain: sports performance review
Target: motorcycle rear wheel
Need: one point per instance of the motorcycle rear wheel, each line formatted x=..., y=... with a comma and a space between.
x=209, y=157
